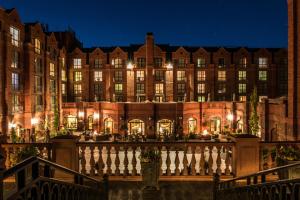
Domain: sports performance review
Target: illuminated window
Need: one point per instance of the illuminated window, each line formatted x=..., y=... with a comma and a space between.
x=157, y=62
x=117, y=63
x=16, y=103
x=52, y=69
x=159, y=75
x=98, y=76
x=201, y=98
x=140, y=88
x=77, y=89
x=262, y=62
x=15, y=36
x=201, y=75
x=118, y=88
x=242, y=88
x=63, y=75
x=141, y=62
x=180, y=75
x=192, y=125
x=242, y=98
x=15, y=81
x=77, y=76
x=37, y=46
x=243, y=62
x=53, y=102
x=63, y=62
x=159, y=88
x=140, y=76
x=242, y=75
x=98, y=63
x=221, y=75
x=38, y=102
x=15, y=59
x=63, y=88
x=181, y=88
x=262, y=75
x=77, y=63
x=181, y=62
x=221, y=62
x=201, y=62
x=118, y=76
x=201, y=88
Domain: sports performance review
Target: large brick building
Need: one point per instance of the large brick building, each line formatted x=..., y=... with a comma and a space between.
x=148, y=87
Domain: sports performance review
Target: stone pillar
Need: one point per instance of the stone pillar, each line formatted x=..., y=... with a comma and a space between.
x=245, y=155
x=65, y=153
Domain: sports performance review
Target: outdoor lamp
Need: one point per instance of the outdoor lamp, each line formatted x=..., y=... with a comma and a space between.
x=129, y=65
x=169, y=66
x=229, y=117
x=11, y=125
x=34, y=121
x=81, y=114
x=96, y=116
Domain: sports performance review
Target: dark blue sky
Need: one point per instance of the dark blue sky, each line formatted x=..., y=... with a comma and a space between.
x=253, y=23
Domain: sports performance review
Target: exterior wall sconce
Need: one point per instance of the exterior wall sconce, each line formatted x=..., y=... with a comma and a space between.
x=96, y=116
x=230, y=117
x=11, y=125
x=169, y=66
x=34, y=121
x=180, y=118
x=149, y=118
x=81, y=114
x=130, y=66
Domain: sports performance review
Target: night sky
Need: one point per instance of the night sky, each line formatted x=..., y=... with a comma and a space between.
x=253, y=23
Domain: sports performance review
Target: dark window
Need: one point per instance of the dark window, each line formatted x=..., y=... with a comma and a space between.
x=141, y=62
x=157, y=62
x=159, y=75
x=221, y=62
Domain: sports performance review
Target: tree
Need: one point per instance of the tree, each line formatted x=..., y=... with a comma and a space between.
x=254, y=119
x=56, y=117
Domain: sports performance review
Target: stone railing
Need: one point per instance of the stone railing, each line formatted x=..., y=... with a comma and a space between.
x=177, y=158
x=267, y=150
x=12, y=149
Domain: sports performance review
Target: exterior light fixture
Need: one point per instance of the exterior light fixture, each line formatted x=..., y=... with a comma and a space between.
x=229, y=117
x=205, y=132
x=96, y=116
x=129, y=65
x=11, y=125
x=34, y=121
x=81, y=114
x=169, y=66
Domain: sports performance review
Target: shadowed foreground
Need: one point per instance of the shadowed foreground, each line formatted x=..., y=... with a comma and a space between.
x=168, y=190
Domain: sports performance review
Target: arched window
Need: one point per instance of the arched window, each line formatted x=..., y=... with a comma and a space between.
x=192, y=125
x=136, y=126
x=71, y=122
x=108, y=125
x=215, y=125
x=164, y=127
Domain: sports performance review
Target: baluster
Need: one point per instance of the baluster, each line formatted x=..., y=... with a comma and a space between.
x=160, y=161
x=202, y=161
x=227, y=161
x=126, y=172
x=83, y=161
x=92, y=161
x=168, y=161
x=218, y=171
x=41, y=154
x=108, y=161
x=134, y=171
x=177, y=162
x=100, y=162
x=117, y=161
x=210, y=161
x=8, y=158
x=193, y=161
x=185, y=162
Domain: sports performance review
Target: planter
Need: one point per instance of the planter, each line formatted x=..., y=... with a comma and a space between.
x=291, y=173
x=150, y=173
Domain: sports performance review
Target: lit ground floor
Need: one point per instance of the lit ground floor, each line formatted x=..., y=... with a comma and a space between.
x=156, y=119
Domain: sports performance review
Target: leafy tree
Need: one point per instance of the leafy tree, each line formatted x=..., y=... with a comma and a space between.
x=254, y=118
x=14, y=137
x=56, y=117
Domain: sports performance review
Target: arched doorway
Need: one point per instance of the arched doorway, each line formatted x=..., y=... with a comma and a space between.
x=136, y=126
x=192, y=125
x=71, y=122
x=215, y=125
x=90, y=122
x=108, y=125
x=164, y=127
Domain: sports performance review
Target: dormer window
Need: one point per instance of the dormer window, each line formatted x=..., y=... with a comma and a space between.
x=262, y=62
x=37, y=46
x=77, y=63
x=243, y=62
x=117, y=62
x=15, y=36
x=221, y=62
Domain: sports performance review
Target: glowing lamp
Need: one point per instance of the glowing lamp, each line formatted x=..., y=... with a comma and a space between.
x=130, y=65
x=205, y=132
x=169, y=66
x=96, y=116
x=11, y=125
x=229, y=117
x=81, y=114
x=34, y=121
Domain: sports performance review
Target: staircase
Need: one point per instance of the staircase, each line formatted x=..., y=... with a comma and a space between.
x=36, y=178
x=280, y=183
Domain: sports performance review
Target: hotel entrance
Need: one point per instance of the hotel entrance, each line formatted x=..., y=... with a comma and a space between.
x=136, y=127
x=164, y=127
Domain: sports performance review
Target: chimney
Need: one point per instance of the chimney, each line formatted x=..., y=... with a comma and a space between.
x=149, y=48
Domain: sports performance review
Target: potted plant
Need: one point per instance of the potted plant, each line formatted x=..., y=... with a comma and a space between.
x=25, y=153
x=285, y=155
x=150, y=167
